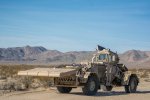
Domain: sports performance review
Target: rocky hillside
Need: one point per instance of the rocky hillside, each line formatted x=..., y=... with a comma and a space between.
x=136, y=58
x=40, y=55
x=20, y=53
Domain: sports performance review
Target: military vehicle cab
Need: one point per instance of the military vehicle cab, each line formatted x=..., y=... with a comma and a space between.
x=105, y=56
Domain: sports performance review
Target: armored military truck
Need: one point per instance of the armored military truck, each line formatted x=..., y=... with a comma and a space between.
x=103, y=72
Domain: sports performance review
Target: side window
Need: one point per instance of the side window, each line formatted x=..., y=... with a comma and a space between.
x=102, y=57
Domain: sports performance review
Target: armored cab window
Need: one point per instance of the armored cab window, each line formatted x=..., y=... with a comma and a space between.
x=102, y=57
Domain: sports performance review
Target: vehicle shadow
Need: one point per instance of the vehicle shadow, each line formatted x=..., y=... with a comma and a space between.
x=112, y=93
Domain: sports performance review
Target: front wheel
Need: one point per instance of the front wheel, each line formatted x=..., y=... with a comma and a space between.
x=64, y=89
x=91, y=87
x=132, y=86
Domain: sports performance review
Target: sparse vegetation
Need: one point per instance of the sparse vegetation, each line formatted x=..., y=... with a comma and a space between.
x=142, y=73
x=9, y=81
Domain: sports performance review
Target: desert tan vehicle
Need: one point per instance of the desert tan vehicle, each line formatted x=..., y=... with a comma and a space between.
x=103, y=72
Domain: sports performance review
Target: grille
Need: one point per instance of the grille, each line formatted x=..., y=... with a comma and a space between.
x=65, y=81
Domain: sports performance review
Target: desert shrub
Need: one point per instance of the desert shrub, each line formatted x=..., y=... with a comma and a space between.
x=11, y=70
x=12, y=84
x=144, y=75
x=46, y=82
x=27, y=81
x=15, y=82
x=21, y=83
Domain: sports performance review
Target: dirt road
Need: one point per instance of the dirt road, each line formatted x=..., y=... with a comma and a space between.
x=76, y=94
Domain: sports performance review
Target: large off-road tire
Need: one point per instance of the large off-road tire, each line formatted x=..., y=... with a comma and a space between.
x=64, y=89
x=107, y=88
x=132, y=86
x=91, y=87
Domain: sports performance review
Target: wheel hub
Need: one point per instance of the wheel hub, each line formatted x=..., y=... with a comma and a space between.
x=92, y=86
x=132, y=85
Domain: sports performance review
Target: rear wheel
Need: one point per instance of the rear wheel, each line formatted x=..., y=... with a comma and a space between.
x=91, y=87
x=107, y=88
x=64, y=89
x=132, y=86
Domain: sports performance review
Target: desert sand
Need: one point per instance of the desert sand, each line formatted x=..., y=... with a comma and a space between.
x=143, y=93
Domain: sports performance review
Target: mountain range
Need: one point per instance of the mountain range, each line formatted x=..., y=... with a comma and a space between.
x=41, y=55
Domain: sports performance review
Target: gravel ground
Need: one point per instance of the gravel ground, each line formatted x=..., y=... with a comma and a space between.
x=117, y=93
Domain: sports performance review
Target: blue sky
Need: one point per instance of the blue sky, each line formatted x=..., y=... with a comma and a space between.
x=69, y=25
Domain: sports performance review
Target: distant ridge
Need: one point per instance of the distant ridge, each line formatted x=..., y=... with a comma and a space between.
x=40, y=55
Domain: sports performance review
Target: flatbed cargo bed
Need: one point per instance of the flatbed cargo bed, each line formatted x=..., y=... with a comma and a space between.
x=48, y=72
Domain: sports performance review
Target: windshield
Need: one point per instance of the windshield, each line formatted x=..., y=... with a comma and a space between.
x=102, y=57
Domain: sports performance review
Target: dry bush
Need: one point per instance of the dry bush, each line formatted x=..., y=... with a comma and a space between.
x=145, y=75
x=142, y=73
x=24, y=83
x=13, y=82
